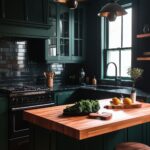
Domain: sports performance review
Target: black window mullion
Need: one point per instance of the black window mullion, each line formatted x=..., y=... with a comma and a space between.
x=120, y=63
x=121, y=46
x=107, y=34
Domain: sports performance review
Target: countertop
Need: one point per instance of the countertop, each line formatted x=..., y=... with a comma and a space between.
x=119, y=89
x=112, y=89
x=82, y=127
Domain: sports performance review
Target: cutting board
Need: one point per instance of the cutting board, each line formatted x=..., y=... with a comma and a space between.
x=123, y=106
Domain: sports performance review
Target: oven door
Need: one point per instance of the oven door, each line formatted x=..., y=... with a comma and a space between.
x=17, y=126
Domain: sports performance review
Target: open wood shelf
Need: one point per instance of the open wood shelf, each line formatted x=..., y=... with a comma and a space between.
x=143, y=35
x=143, y=58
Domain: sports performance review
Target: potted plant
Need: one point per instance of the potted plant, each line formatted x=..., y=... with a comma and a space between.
x=135, y=73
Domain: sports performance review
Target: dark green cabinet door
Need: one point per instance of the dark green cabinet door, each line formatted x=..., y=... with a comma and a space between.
x=148, y=133
x=66, y=41
x=114, y=138
x=64, y=97
x=78, y=34
x=135, y=133
x=37, y=11
x=1, y=10
x=14, y=9
x=3, y=123
x=25, y=12
x=58, y=45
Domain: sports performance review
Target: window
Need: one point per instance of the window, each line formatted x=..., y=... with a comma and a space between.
x=118, y=44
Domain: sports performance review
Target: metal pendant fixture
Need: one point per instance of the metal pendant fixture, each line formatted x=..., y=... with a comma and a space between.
x=112, y=10
x=72, y=4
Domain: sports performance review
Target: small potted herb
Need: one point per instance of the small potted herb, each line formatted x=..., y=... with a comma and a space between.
x=135, y=73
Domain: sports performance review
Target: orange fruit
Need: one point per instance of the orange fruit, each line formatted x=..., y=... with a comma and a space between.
x=127, y=101
x=116, y=101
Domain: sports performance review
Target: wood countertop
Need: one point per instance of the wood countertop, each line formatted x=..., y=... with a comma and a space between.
x=82, y=127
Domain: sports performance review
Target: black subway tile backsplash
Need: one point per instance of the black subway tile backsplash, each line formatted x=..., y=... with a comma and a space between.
x=22, y=61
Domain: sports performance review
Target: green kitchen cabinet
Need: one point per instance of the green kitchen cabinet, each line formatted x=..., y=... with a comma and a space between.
x=58, y=44
x=3, y=123
x=31, y=13
x=63, y=44
x=148, y=134
x=139, y=133
x=78, y=34
x=114, y=138
x=65, y=97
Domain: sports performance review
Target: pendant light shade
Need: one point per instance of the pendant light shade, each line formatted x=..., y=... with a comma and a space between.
x=72, y=4
x=112, y=10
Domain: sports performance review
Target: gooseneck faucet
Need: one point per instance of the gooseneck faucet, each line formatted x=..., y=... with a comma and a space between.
x=116, y=71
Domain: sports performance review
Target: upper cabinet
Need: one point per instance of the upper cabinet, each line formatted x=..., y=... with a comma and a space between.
x=66, y=39
x=24, y=12
x=78, y=34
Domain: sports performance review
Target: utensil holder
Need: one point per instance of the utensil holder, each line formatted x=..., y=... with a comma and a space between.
x=50, y=82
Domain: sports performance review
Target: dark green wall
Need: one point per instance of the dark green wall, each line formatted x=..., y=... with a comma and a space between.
x=141, y=17
x=93, y=40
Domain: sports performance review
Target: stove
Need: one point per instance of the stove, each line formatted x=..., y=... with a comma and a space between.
x=24, y=96
x=21, y=97
x=23, y=89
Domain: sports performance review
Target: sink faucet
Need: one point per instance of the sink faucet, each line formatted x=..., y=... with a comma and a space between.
x=116, y=71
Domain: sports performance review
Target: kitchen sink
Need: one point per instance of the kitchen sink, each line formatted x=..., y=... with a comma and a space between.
x=108, y=87
x=105, y=87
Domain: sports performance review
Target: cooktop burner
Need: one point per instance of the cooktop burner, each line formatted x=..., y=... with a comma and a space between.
x=23, y=89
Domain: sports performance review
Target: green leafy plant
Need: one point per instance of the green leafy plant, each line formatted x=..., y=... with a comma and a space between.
x=135, y=73
x=82, y=107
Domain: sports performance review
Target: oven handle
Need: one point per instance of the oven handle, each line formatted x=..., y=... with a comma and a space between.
x=29, y=107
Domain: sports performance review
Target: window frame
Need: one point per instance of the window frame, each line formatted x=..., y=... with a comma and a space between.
x=105, y=45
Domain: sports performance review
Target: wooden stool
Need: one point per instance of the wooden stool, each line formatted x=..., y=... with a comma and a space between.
x=132, y=146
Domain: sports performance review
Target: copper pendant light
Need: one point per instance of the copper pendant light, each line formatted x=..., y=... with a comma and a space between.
x=112, y=10
x=72, y=4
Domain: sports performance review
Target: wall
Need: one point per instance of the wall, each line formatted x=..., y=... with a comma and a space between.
x=93, y=53
x=141, y=13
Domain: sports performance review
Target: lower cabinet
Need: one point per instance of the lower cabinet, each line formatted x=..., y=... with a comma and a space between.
x=137, y=133
x=21, y=143
x=65, y=97
x=114, y=138
x=3, y=123
x=148, y=134
x=95, y=94
x=55, y=141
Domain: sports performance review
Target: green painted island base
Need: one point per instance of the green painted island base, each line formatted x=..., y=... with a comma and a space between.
x=43, y=139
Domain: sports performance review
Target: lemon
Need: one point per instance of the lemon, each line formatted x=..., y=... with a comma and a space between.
x=127, y=101
x=116, y=101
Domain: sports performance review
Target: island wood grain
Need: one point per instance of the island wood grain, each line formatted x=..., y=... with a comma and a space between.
x=82, y=127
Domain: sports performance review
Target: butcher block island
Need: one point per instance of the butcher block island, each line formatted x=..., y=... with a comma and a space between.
x=125, y=125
